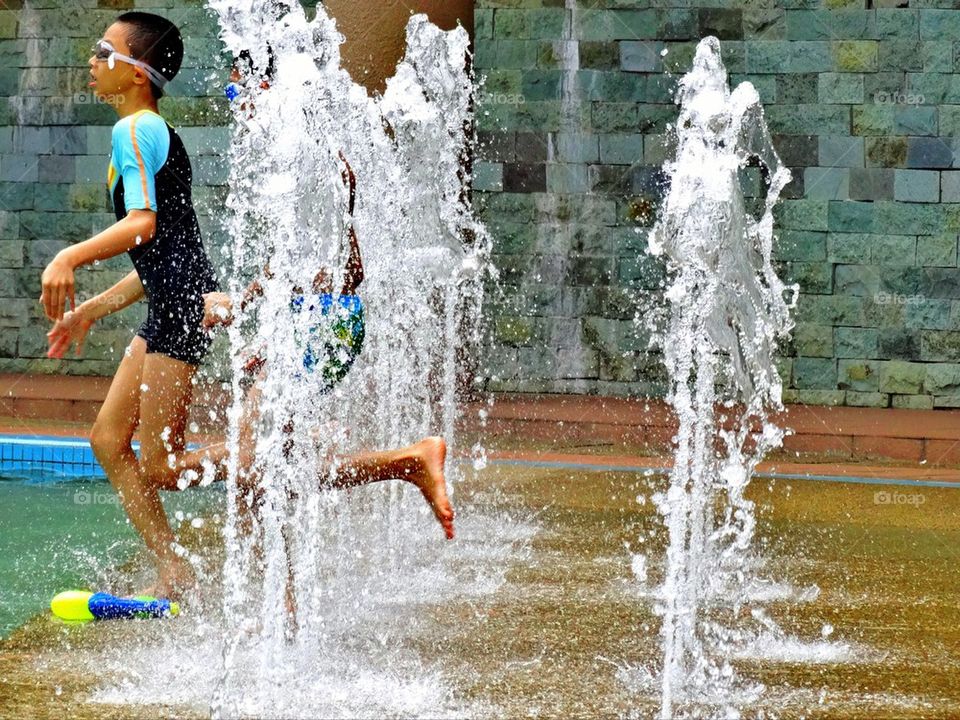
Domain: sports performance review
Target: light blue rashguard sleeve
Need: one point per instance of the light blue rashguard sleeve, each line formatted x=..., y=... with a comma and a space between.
x=141, y=143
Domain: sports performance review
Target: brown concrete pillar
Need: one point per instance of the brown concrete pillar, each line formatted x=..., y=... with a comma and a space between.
x=374, y=31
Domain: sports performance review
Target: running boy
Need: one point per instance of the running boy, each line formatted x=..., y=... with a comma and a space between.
x=340, y=319
x=149, y=179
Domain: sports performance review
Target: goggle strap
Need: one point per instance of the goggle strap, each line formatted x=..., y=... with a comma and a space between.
x=155, y=76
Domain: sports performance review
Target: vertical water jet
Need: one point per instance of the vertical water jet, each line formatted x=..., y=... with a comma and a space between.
x=726, y=311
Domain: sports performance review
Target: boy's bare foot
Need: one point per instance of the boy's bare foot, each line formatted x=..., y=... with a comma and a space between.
x=175, y=581
x=432, y=453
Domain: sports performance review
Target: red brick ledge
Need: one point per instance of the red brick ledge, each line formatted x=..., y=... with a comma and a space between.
x=827, y=433
x=74, y=398
x=938, y=424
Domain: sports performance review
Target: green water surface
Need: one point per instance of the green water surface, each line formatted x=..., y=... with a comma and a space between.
x=64, y=536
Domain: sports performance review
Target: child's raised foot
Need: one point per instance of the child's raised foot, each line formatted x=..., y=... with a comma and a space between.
x=432, y=453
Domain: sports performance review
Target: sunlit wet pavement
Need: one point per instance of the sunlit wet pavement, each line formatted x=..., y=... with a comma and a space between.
x=570, y=632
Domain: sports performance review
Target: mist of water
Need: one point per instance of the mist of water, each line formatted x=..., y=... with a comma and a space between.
x=726, y=310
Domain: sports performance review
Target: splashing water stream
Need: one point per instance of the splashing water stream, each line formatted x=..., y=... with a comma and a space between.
x=424, y=258
x=727, y=309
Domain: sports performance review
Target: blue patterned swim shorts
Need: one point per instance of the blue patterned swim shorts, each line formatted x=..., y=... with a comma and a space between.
x=335, y=337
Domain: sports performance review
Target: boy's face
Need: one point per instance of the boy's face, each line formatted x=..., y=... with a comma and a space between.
x=241, y=70
x=108, y=83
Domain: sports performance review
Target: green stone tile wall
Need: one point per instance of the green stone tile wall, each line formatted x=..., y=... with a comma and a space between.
x=863, y=100
x=54, y=151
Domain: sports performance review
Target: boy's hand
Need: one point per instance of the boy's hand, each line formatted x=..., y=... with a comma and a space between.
x=217, y=309
x=57, y=284
x=72, y=328
x=323, y=281
x=254, y=364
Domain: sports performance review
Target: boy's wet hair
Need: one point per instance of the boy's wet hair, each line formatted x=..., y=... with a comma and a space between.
x=244, y=63
x=157, y=42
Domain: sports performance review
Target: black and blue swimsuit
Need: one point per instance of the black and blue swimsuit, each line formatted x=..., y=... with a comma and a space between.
x=150, y=170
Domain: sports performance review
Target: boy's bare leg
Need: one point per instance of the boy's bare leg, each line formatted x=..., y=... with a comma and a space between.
x=218, y=453
x=110, y=439
x=166, y=393
x=421, y=464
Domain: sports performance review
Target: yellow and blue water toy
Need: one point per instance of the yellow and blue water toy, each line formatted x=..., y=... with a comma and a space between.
x=79, y=606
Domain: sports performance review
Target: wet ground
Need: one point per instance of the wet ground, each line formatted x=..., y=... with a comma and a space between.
x=554, y=623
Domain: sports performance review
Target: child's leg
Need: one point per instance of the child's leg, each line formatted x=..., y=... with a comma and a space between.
x=420, y=464
x=166, y=391
x=110, y=439
x=218, y=453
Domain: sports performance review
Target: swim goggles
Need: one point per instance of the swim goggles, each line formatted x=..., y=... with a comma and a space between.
x=105, y=51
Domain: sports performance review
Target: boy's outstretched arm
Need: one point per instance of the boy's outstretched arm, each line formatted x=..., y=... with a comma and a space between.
x=354, y=267
x=353, y=274
x=57, y=281
x=124, y=293
x=74, y=326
